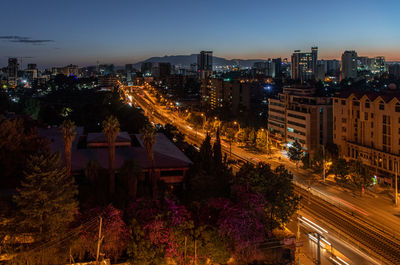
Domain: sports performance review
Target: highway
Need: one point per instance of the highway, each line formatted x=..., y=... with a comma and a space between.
x=348, y=226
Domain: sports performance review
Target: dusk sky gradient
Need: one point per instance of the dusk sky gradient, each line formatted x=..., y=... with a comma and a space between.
x=57, y=33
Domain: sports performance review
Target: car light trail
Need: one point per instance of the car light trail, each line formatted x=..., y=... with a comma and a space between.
x=313, y=225
x=351, y=206
x=323, y=239
x=343, y=261
x=334, y=260
x=338, y=261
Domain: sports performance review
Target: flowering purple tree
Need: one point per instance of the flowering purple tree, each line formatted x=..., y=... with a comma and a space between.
x=164, y=224
x=243, y=221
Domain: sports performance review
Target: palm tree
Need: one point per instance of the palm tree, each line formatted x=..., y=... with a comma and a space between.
x=148, y=136
x=130, y=173
x=111, y=130
x=68, y=132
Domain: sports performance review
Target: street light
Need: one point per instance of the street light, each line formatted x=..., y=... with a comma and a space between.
x=395, y=183
x=238, y=124
x=204, y=120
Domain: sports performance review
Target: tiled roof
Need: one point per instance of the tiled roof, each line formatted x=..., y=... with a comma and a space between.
x=81, y=157
x=166, y=154
x=99, y=137
x=386, y=96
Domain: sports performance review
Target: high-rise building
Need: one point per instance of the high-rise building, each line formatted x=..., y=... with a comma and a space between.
x=349, y=65
x=304, y=64
x=146, y=68
x=12, y=71
x=379, y=65
x=367, y=127
x=333, y=67
x=297, y=115
x=394, y=69
x=129, y=68
x=278, y=66
x=106, y=69
x=31, y=73
x=70, y=70
x=32, y=66
x=265, y=68
x=164, y=69
x=321, y=71
x=205, y=64
x=237, y=96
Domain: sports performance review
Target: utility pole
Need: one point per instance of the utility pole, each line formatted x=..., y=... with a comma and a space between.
x=184, y=259
x=323, y=161
x=319, y=249
x=195, y=252
x=99, y=241
x=395, y=185
x=298, y=235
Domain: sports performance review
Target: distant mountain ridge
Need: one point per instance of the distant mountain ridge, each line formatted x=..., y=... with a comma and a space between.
x=187, y=60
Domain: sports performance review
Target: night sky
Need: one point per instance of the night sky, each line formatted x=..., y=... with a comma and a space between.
x=81, y=32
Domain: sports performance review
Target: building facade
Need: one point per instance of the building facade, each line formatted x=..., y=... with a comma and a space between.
x=205, y=64
x=12, y=70
x=304, y=64
x=349, y=65
x=298, y=115
x=70, y=70
x=237, y=96
x=367, y=127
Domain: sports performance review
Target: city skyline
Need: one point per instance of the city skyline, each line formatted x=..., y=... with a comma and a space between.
x=128, y=32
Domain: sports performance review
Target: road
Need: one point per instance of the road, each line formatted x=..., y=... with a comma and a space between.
x=350, y=225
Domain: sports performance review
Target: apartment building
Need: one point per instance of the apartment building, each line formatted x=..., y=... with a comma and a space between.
x=367, y=126
x=298, y=115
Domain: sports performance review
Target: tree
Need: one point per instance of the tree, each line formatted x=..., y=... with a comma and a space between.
x=148, y=136
x=18, y=140
x=217, y=152
x=32, y=108
x=230, y=136
x=306, y=161
x=242, y=221
x=319, y=158
x=360, y=175
x=140, y=249
x=114, y=233
x=275, y=185
x=46, y=200
x=340, y=169
x=332, y=151
x=295, y=152
x=251, y=137
x=241, y=136
x=206, y=154
x=262, y=141
x=68, y=132
x=111, y=130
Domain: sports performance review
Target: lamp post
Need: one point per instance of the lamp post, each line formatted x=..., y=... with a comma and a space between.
x=204, y=120
x=238, y=124
x=323, y=161
x=396, y=168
